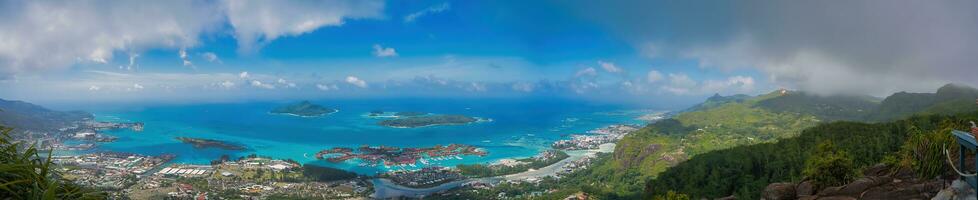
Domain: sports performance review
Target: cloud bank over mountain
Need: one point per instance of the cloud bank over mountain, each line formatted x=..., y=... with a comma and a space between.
x=828, y=47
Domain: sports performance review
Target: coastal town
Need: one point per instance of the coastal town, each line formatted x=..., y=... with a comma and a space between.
x=595, y=138
x=85, y=134
x=134, y=176
x=399, y=157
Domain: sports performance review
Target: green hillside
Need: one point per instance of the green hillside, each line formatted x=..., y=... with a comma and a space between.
x=27, y=116
x=734, y=122
x=948, y=99
x=744, y=171
x=719, y=123
x=828, y=108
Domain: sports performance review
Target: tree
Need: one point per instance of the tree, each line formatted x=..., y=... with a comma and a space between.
x=829, y=166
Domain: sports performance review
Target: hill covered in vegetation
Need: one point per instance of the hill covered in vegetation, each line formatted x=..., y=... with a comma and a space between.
x=27, y=116
x=740, y=121
x=744, y=171
x=304, y=109
x=948, y=99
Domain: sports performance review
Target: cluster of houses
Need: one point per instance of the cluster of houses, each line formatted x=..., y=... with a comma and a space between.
x=186, y=170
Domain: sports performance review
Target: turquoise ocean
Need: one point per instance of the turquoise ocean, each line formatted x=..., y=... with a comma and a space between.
x=518, y=128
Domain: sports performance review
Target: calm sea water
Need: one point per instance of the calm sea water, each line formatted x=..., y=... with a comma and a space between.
x=519, y=128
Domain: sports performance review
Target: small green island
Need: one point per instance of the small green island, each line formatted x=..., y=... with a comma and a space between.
x=427, y=120
x=409, y=114
x=201, y=143
x=304, y=109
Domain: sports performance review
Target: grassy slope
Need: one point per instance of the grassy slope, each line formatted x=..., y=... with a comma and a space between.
x=786, y=116
x=645, y=153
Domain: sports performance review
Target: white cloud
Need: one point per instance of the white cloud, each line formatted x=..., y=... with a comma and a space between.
x=430, y=10
x=523, y=87
x=353, y=80
x=227, y=84
x=681, y=80
x=609, y=66
x=132, y=61
x=285, y=83
x=327, y=87
x=94, y=88
x=590, y=71
x=822, y=47
x=477, y=87
x=211, y=57
x=243, y=74
x=43, y=35
x=258, y=22
x=52, y=35
x=680, y=84
x=259, y=84
x=185, y=58
x=583, y=86
x=653, y=76
x=736, y=83
x=380, y=51
x=137, y=87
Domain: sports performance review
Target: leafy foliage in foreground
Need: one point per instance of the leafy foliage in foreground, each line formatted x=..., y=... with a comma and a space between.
x=744, y=171
x=24, y=174
x=923, y=152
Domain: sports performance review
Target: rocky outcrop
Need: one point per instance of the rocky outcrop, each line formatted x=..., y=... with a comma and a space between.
x=878, y=182
x=779, y=191
x=864, y=188
x=643, y=153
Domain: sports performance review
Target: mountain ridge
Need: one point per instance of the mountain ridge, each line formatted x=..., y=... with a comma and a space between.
x=740, y=120
x=27, y=116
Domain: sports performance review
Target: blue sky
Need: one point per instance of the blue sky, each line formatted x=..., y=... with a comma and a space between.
x=661, y=54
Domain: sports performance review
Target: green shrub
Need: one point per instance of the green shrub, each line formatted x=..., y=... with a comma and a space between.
x=829, y=166
x=671, y=195
x=24, y=174
x=923, y=152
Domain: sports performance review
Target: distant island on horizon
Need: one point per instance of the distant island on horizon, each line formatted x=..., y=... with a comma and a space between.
x=416, y=121
x=304, y=109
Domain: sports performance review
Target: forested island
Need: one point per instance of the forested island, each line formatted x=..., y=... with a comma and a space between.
x=409, y=114
x=201, y=143
x=304, y=109
x=427, y=120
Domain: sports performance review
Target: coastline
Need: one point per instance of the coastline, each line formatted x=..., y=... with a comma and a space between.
x=553, y=169
x=385, y=188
